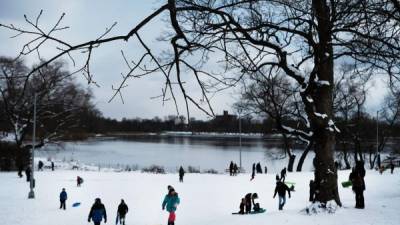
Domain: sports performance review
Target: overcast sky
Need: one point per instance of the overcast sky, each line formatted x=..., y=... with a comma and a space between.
x=88, y=19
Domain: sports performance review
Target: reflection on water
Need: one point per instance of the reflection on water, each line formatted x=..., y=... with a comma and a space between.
x=170, y=152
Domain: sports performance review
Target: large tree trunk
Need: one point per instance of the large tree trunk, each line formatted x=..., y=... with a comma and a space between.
x=288, y=150
x=325, y=170
x=292, y=158
x=303, y=157
x=346, y=156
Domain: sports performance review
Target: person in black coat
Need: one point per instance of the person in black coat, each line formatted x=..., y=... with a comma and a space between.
x=235, y=169
x=281, y=188
x=283, y=174
x=258, y=168
x=265, y=169
x=253, y=173
x=52, y=166
x=181, y=174
x=97, y=212
x=231, y=168
x=63, y=198
x=358, y=185
x=122, y=211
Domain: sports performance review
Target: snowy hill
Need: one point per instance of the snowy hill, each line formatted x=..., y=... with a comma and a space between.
x=205, y=199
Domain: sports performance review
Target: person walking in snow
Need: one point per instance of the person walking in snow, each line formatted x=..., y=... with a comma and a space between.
x=391, y=167
x=231, y=169
x=181, y=174
x=171, y=202
x=283, y=174
x=281, y=188
x=121, y=213
x=40, y=165
x=63, y=198
x=97, y=212
x=253, y=173
x=52, y=166
x=265, y=169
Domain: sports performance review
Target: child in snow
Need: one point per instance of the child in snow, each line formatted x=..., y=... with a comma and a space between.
x=281, y=189
x=242, y=205
x=171, y=201
x=249, y=200
x=121, y=213
x=79, y=181
x=97, y=212
x=63, y=198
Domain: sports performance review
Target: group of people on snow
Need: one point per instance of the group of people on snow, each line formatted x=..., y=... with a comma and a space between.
x=98, y=211
x=233, y=169
x=256, y=168
x=248, y=202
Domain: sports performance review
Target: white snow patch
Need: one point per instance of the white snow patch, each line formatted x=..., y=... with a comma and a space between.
x=323, y=82
x=296, y=71
x=309, y=99
x=323, y=116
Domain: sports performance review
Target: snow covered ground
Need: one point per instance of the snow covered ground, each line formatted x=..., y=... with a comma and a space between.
x=205, y=199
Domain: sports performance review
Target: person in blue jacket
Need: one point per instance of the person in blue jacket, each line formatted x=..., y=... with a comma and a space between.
x=63, y=198
x=97, y=212
x=171, y=201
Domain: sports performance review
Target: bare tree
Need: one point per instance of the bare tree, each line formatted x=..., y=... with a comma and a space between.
x=350, y=92
x=390, y=118
x=59, y=101
x=301, y=38
x=273, y=96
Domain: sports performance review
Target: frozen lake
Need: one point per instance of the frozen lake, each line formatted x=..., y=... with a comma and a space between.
x=170, y=153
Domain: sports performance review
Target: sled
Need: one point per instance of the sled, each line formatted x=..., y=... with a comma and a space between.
x=288, y=183
x=252, y=212
x=346, y=184
x=76, y=204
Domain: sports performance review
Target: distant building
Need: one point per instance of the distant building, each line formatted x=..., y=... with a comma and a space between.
x=226, y=117
x=226, y=122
